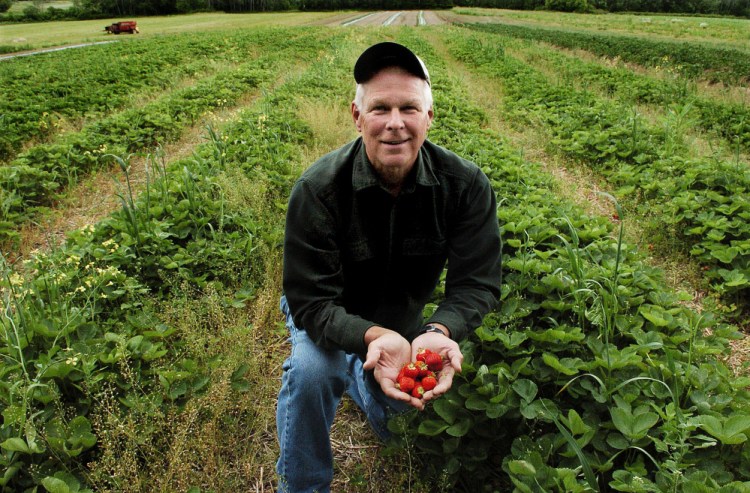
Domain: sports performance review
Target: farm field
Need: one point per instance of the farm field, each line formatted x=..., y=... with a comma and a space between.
x=721, y=30
x=143, y=186
x=31, y=36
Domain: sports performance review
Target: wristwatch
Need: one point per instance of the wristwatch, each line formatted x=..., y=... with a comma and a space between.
x=431, y=328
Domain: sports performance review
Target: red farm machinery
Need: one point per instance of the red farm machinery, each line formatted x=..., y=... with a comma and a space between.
x=130, y=27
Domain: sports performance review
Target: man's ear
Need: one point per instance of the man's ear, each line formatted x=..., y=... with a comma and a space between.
x=431, y=116
x=355, y=116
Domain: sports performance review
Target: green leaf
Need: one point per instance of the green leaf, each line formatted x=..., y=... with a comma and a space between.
x=432, y=427
x=80, y=433
x=725, y=255
x=554, y=363
x=632, y=426
x=656, y=315
x=526, y=389
x=461, y=428
x=733, y=278
x=54, y=485
x=521, y=468
x=576, y=424
x=729, y=432
x=448, y=408
x=16, y=444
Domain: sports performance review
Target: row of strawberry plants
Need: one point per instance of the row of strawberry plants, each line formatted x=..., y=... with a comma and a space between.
x=715, y=63
x=728, y=120
x=38, y=93
x=34, y=179
x=702, y=202
x=83, y=330
x=591, y=376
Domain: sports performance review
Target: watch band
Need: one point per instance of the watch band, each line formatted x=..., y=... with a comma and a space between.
x=431, y=328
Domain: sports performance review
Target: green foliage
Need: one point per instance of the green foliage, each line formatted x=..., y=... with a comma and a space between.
x=590, y=376
x=568, y=5
x=644, y=163
x=81, y=334
x=35, y=178
x=37, y=99
x=715, y=63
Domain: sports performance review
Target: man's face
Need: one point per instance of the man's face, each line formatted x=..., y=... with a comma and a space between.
x=393, y=120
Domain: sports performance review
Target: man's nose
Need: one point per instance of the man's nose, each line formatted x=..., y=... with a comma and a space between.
x=394, y=119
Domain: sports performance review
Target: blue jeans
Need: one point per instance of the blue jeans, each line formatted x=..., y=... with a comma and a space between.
x=313, y=382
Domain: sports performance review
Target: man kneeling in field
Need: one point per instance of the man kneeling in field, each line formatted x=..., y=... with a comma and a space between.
x=369, y=230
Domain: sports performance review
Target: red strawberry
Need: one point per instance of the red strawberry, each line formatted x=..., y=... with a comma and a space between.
x=434, y=362
x=421, y=367
x=417, y=392
x=422, y=353
x=428, y=383
x=406, y=384
x=411, y=370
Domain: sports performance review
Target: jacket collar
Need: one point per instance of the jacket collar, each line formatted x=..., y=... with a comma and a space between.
x=364, y=176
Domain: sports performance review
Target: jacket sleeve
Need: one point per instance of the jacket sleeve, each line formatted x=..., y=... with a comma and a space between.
x=472, y=286
x=313, y=280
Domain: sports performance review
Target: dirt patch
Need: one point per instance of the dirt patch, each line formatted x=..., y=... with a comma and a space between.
x=386, y=18
x=46, y=50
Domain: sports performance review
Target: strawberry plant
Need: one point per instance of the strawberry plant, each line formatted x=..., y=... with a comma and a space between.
x=717, y=63
x=35, y=178
x=81, y=331
x=590, y=375
x=37, y=95
x=729, y=121
x=644, y=163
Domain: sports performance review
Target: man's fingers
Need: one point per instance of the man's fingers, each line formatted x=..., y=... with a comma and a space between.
x=445, y=381
x=456, y=359
x=390, y=390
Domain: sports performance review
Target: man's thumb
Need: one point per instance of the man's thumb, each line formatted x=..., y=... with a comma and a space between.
x=373, y=355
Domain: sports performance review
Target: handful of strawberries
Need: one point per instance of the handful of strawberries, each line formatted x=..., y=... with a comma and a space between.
x=419, y=376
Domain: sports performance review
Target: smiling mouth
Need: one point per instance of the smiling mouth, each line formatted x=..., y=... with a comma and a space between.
x=394, y=142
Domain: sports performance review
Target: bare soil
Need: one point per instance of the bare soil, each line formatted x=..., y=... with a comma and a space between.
x=387, y=17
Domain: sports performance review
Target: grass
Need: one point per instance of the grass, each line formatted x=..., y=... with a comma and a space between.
x=19, y=5
x=47, y=34
x=729, y=31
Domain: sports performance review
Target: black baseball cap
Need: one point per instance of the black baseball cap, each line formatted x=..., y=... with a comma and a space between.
x=388, y=54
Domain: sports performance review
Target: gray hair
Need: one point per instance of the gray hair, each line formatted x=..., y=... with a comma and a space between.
x=359, y=95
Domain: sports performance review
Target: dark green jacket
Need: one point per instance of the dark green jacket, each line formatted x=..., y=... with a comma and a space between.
x=355, y=256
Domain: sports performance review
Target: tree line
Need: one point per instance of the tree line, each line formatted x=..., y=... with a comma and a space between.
x=88, y=9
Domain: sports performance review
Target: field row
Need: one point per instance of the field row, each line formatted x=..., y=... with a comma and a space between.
x=721, y=31
x=728, y=65
x=702, y=202
x=36, y=177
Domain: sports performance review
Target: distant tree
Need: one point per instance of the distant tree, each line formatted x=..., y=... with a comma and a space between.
x=5, y=5
x=568, y=5
x=735, y=7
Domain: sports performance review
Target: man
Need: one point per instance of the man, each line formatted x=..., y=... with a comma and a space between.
x=369, y=230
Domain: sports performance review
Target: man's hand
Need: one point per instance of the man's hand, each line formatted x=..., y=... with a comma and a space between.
x=387, y=353
x=448, y=349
